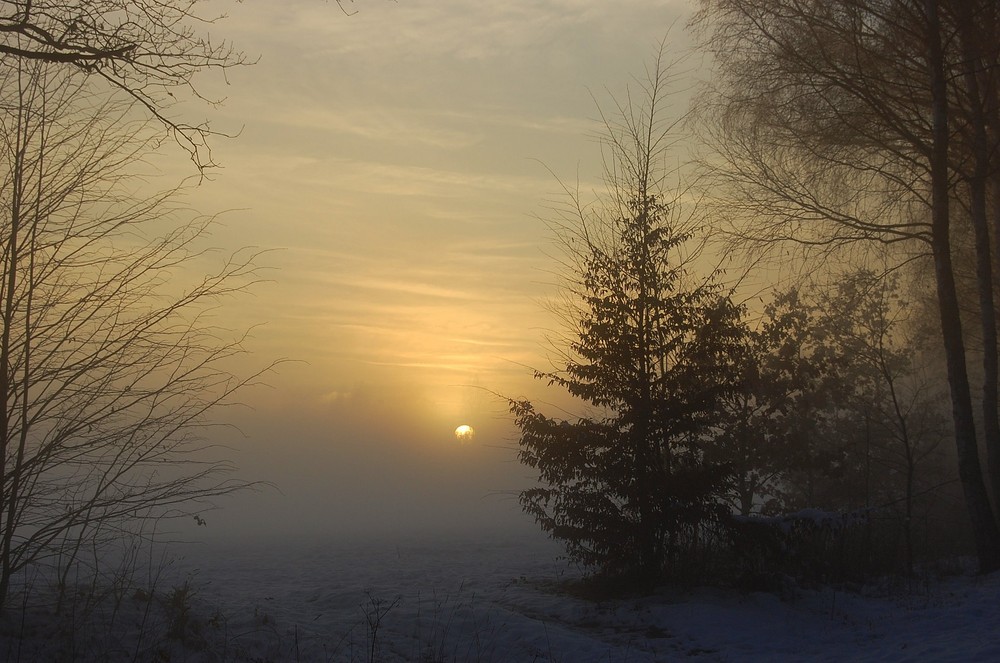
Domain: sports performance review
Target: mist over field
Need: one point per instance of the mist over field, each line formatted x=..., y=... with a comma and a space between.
x=543, y=330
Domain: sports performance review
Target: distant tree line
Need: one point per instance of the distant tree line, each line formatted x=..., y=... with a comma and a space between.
x=837, y=411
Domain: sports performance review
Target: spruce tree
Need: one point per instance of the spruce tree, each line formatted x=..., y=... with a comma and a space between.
x=653, y=351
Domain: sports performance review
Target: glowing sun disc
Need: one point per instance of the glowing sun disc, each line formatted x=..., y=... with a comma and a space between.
x=464, y=433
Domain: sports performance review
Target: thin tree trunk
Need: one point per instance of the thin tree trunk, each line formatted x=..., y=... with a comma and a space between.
x=8, y=497
x=984, y=525
x=984, y=267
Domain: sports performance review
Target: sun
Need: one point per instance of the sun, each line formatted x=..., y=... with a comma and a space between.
x=465, y=433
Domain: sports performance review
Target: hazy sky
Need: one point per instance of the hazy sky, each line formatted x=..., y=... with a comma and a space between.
x=397, y=160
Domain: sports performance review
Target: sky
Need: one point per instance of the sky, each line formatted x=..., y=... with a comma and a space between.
x=396, y=164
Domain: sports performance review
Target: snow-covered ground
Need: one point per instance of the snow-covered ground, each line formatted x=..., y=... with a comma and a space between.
x=494, y=599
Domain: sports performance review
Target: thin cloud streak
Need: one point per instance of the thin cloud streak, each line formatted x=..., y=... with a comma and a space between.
x=395, y=157
x=393, y=125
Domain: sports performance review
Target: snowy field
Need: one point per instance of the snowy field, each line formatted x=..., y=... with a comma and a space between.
x=494, y=599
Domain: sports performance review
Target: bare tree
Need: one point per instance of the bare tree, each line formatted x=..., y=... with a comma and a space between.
x=836, y=122
x=109, y=359
x=151, y=50
x=904, y=422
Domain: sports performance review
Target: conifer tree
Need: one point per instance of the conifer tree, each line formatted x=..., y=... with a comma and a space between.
x=653, y=351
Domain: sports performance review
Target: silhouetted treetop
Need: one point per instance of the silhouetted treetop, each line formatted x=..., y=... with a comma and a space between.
x=146, y=48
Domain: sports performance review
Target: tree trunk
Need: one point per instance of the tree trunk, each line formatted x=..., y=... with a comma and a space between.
x=971, y=54
x=984, y=525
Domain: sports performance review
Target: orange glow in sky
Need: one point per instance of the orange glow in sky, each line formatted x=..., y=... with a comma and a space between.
x=393, y=159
